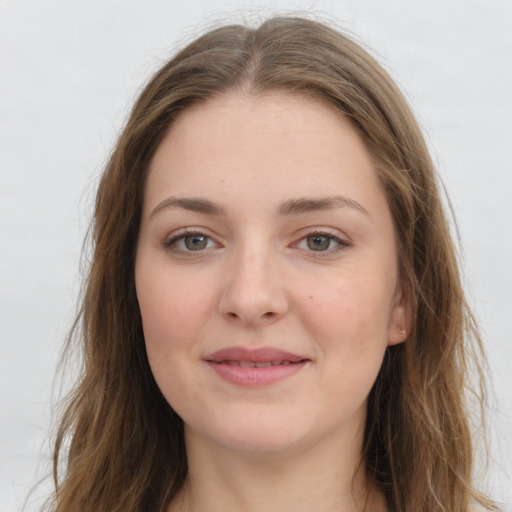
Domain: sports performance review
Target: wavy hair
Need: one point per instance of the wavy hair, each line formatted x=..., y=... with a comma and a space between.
x=121, y=444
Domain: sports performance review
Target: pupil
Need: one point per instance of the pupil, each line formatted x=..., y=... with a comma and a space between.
x=318, y=242
x=195, y=242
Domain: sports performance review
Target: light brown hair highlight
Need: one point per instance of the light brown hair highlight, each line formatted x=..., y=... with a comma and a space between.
x=126, y=447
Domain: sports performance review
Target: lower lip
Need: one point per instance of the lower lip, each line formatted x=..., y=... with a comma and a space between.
x=252, y=376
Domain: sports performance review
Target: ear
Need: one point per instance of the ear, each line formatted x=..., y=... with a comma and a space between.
x=400, y=319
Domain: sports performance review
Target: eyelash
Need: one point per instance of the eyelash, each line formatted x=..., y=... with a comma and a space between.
x=171, y=244
x=341, y=244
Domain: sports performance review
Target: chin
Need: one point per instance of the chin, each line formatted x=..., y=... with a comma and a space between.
x=255, y=436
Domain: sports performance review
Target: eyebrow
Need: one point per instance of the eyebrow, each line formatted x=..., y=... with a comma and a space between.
x=193, y=204
x=311, y=204
x=291, y=207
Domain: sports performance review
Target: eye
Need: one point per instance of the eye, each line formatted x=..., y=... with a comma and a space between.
x=190, y=242
x=321, y=242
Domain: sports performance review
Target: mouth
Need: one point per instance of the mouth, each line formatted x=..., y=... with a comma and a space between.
x=255, y=367
x=242, y=356
x=257, y=364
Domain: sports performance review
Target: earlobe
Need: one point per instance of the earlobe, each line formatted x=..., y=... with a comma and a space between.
x=400, y=321
x=401, y=330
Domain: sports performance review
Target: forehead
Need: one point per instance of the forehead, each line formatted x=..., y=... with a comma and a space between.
x=270, y=147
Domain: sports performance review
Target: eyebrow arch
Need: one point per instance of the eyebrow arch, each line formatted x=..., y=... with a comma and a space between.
x=312, y=204
x=291, y=207
x=193, y=204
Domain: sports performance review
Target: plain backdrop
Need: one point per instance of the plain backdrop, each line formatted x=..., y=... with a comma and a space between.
x=69, y=71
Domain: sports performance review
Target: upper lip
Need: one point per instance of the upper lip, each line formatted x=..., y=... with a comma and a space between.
x=256, y=355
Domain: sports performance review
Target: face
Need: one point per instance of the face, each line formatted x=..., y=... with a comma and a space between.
x=266, y=273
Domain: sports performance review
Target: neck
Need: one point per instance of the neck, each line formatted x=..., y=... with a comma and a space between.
x=306, y=478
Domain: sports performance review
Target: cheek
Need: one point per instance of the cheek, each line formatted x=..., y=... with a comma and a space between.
x=174, y=309
x=349, y=322
x=350, y=330
x=354, y=310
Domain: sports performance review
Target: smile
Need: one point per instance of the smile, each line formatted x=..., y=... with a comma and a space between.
x=255, y=367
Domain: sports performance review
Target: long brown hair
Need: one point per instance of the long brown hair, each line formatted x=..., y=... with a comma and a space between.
x=123, y=445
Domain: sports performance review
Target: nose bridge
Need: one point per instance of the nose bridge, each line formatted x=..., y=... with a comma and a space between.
x=253, y=290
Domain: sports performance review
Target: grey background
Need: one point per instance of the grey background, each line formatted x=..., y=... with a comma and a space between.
x=69, y=71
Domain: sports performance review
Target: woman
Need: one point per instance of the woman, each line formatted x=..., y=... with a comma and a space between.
x=273, y=318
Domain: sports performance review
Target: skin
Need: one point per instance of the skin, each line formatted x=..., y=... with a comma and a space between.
x=262, y=280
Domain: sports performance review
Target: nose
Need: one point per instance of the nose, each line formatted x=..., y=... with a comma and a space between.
x=253, y=294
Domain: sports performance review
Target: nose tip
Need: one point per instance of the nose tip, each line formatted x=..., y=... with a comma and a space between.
x=253, y=293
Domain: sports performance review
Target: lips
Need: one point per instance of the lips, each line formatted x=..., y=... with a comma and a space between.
x=256, y=355
x=255, y=367
x=254, y=364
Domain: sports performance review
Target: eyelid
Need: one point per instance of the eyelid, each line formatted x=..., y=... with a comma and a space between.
x=343, y=241
x=180, y=234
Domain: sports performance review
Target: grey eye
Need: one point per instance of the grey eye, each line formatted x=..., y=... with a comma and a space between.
x=319, y=242
x=195, y=242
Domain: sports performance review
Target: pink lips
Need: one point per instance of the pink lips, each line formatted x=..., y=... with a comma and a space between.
x=255, y=367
